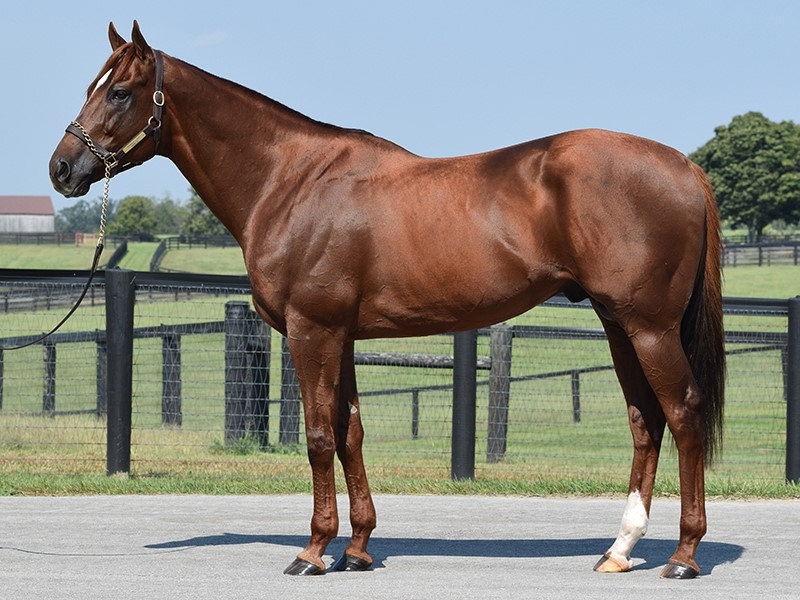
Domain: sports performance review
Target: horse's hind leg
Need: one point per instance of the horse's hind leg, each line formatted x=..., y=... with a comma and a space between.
x=646, y=420
x=668, y=371
x=666, y=367
x=348, y=448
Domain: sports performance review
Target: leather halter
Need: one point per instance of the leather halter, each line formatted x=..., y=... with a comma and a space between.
x=113, y=160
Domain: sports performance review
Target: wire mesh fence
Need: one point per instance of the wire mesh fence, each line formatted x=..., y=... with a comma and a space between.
x=213, y=386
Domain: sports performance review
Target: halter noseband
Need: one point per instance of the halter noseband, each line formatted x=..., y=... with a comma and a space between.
x=112, y=160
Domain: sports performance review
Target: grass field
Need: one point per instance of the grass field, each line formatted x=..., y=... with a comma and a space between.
x=547, y=451
x=138, y=256
x=778, y=281
x=46, y=256
x=66, y=454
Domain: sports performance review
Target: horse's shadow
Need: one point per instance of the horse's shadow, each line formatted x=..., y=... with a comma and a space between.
x=655, y=552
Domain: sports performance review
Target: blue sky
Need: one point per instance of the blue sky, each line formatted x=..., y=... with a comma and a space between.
x=439, y=78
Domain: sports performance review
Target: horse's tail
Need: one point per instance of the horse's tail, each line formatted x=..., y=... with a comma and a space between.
x=701, y=330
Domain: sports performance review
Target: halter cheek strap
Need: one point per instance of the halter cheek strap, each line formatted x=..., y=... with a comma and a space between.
x=114, y=160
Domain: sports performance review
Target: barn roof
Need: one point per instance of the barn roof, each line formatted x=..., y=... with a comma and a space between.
x=26, y=205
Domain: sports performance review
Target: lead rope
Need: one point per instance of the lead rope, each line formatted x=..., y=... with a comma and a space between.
x=109, y=162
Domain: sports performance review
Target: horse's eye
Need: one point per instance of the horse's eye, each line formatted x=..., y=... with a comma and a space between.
x=118, y=95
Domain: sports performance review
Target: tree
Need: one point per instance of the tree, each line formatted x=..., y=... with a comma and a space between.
x=83, y=216
x=134, y=217
x=200, y=221
x=170, y=215
x=754, y=166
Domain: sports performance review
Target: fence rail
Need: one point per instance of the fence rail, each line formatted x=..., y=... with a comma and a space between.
x=762, y=254
x=248, y=359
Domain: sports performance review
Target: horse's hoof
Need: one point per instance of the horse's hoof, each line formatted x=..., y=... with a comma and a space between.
x=303, y=567
x=351, y=563
x=610, y=564
x=677, y=570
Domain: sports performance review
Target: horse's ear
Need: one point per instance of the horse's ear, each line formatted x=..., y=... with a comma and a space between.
x=116, y=39
x=143, y=49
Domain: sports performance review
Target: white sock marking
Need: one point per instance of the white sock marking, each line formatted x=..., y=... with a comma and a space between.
x=632, y=528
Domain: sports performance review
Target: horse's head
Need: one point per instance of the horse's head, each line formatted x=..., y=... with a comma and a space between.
x=123, y=110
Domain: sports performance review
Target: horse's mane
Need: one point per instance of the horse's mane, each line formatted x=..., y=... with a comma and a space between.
x=123, y=56
x=287, y=110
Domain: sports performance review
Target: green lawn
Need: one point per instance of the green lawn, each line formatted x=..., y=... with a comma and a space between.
x=779, y=281
x=547, y=451
x=66, y=454
x=214, y=261
x=47, y=256
x=138, y=256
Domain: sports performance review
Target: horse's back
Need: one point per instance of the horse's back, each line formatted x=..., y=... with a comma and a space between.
x=471, y=240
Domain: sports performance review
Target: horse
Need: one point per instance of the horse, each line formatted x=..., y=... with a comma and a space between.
x=347, y=236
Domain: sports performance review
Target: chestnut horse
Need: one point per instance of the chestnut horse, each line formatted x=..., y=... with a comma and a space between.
x=347, y=236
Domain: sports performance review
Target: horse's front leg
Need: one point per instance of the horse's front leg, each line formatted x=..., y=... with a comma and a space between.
x=317, y=356
x=350, y=439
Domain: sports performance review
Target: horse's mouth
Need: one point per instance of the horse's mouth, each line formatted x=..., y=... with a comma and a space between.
x=76, y=190
x=81, y=189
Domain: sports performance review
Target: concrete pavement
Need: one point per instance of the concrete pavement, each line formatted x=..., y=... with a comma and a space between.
x=427, y=547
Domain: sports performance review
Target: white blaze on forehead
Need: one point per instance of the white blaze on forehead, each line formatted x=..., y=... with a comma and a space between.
x=102, y=80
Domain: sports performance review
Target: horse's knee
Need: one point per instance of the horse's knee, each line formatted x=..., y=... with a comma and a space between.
x=320, y=444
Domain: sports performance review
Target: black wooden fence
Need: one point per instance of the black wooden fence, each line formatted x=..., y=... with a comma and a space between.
x=247, y=360
x=762, y=254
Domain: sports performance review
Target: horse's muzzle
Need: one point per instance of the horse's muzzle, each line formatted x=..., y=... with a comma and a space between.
x=67, y=179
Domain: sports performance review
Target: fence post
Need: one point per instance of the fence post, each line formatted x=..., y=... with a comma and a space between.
x=259, y=380
x=290, y=399
x=120, y=299
x=49, y=394
x=2, y=363
x=465, y=357
x=500, y=340
x=414, y=414
x=102, y=375
x=171, y=391
x=576, y=396
x=235, y=371
x=793, y=393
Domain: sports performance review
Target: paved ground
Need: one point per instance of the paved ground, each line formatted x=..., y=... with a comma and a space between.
x=425, y=547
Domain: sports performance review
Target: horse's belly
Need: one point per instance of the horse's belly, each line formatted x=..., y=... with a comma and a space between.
x=461, y=303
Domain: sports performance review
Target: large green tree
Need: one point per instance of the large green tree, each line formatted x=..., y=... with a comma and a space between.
x=135, y=217
x=754, y=166
x=199, y=221
x=170, y=215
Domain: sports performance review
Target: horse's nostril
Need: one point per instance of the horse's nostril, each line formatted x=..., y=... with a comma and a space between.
x=62, y=170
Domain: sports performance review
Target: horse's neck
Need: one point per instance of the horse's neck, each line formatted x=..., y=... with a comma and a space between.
x=233, y=145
